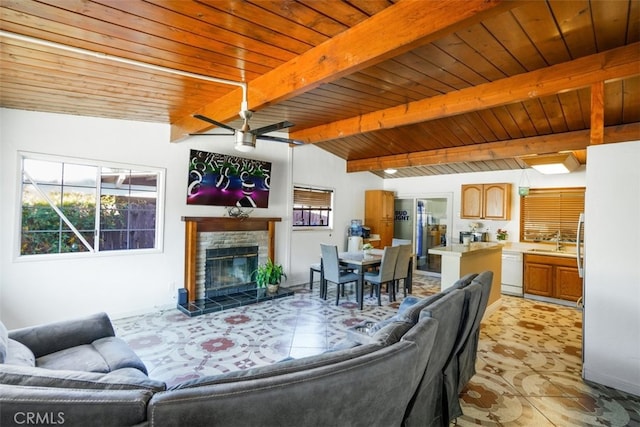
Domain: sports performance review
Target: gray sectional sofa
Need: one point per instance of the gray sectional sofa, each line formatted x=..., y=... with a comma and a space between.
x=405, y=370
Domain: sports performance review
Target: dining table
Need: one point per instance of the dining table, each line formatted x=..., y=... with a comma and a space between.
x=363, y=261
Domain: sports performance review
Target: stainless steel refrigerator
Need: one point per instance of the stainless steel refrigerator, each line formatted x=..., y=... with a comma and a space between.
x=611, y=326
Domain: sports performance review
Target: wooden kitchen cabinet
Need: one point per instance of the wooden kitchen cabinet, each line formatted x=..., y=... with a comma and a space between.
x=379, y=208
x=538, y=279
x=568, y=283
x=486, y=201
x=552, y=277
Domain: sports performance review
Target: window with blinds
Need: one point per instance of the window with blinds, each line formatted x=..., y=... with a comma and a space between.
x=312, y=207
x=546, y=211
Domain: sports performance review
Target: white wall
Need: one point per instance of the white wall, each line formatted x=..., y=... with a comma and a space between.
x=314, y=166
x=441, y=184
x=120, y=284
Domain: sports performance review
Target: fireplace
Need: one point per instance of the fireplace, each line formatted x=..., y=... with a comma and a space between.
x=221, y=254
x=229, y=270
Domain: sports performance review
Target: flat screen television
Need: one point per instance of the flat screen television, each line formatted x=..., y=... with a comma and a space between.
x=223, y=180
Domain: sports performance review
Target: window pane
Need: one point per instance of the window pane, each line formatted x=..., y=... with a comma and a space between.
x=127, y=212
x=31, y=195
x=80, y=175
x=71, y=243
x=42, y=171
x=127, y=209
x=40, y=242
x=312, y=207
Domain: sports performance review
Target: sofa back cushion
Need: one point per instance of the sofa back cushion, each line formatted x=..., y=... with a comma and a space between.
x=448, y=312
x=366, y=390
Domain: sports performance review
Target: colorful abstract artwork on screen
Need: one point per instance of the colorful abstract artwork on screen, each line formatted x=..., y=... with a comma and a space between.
x=223, y=180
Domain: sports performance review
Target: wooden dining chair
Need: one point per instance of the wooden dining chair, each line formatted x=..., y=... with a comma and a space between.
x=332, y=271
x=385, y=273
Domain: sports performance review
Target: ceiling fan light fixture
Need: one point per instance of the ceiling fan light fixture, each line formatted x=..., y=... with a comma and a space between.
x=390, y=171
x=552, y=163
x=245, y=141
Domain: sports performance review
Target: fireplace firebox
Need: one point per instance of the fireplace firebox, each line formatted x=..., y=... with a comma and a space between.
x=230, y=270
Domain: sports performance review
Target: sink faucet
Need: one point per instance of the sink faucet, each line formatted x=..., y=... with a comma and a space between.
x=558, y=245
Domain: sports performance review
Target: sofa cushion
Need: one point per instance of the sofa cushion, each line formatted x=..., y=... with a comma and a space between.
x=121, y=379
x=4, y=342
x=80, y=358
x=19, y=354
x=117, y=354
x=103, y=355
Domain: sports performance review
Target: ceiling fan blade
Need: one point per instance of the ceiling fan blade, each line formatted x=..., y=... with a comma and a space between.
x=272, y=128
x=210, y=134
x=213, y=122
x=278, y=139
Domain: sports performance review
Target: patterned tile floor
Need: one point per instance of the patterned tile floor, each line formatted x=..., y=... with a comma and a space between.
x=529, y=357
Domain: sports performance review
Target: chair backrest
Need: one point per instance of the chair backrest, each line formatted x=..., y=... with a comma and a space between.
x=388, y=263
x=402, y=263
x=330, y=262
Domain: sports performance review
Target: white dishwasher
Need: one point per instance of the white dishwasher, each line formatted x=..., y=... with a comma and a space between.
x=512, y=273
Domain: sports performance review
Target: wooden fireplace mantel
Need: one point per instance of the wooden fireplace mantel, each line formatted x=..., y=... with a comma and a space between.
x=196, y=224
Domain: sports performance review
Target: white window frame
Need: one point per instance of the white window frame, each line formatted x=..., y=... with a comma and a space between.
x=160, y=200
x=329, y=226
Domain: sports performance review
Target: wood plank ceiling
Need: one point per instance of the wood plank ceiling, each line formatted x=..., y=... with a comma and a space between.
x=426, y=87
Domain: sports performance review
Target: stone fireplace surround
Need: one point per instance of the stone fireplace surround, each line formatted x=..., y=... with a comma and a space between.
x=202, y=233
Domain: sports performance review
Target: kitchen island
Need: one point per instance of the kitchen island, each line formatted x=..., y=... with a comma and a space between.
x=459, y=260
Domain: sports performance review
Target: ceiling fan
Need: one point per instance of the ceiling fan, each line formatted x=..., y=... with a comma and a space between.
x=245, y=136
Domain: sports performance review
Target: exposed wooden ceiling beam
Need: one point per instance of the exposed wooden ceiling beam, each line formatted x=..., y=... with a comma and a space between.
x=395, y=30
x=577, y=140
x=597, y=113
x=613, y=64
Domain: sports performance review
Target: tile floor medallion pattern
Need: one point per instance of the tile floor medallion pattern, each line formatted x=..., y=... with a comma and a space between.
x=528, y=369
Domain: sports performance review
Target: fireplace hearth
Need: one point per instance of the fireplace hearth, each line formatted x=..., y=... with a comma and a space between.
x=220, y=260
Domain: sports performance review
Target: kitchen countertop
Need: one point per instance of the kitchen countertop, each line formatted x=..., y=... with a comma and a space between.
x=539, y=249
x=459, y=250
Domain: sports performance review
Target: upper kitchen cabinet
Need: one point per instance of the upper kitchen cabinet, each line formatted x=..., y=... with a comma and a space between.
x=378, y=214
x=486, y=201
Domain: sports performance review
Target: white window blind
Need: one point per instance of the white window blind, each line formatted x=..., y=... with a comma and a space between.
x=546, y=211
x=312, y=207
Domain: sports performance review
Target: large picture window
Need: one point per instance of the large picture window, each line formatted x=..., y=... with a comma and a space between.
x=545, y=212
x=312, y=207
x=74, y=205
